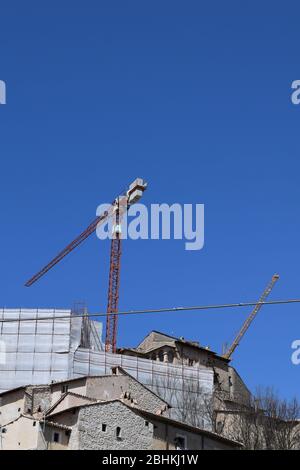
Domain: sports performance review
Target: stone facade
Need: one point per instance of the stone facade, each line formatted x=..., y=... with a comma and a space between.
x=116, y=426
x=36, y=401
x=163, y=348
x=110, y=387
x=124, y=429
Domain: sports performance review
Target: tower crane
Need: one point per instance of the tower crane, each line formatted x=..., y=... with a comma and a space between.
x=251, y=317
x=120, y=205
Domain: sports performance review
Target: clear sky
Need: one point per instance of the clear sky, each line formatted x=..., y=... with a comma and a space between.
x=195, y=98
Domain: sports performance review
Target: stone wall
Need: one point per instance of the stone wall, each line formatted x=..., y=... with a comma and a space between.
x=134, y=433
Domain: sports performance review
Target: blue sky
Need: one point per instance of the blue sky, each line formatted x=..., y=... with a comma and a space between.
x=195, y=98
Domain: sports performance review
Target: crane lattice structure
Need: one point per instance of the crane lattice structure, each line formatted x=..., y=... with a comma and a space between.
x=251, y=317
x=120, y=205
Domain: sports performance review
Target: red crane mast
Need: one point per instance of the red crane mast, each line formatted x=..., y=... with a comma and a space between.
x=118, y=207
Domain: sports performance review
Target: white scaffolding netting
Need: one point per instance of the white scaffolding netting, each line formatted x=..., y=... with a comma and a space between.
x=49, y=348
x=37, y=346
x=186, y=389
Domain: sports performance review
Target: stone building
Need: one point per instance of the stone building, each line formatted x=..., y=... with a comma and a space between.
x=115, y=425
x=162, y=370
x=37, y=401
x=160, y=347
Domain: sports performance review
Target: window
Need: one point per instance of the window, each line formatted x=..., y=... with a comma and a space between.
x=64, y=388
x=56, y=437
x=118, y=432
x=180, y=442
x=170, y=356
x=219, y=427
x=19, y=409
x=147, y=423
x=34, y=423
x=104, y=427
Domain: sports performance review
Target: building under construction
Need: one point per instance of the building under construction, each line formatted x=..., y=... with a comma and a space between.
x=44, y=346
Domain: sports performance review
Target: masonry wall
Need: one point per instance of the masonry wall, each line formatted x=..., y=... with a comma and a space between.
x=110, y=388
x=22, y=434
x=239, y=393
x=49, y=438
x=134, y=432
x=37, y=399
x=11, y=406
x=69, y=401
x=164, y=437
x=78, y=386
x=106, y=388
x=145, y=399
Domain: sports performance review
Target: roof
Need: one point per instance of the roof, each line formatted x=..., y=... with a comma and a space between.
x=151, y=416
x=124, y=372
x=187, y=427
x=56, y=425
x=140, y=383
x=22, y=415
x=68, y=394
x=73, y=379
x=23, y=387
x=133, y=350
x=191, y=344
x=75, y=407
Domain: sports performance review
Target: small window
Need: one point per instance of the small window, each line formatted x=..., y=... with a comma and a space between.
x=39, y=409
x=56, y=437
x=170, y=357
x=147, y=423
x=34, y=423
x=104, y=427
x=19, y=409
x=118, y=432
x=219, y=427
x=180, y=442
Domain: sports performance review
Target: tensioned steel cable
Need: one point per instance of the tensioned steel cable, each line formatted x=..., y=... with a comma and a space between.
x=145, y=311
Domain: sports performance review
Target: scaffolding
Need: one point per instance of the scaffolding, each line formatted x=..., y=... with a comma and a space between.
x=41, y=350
x=42, y=347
